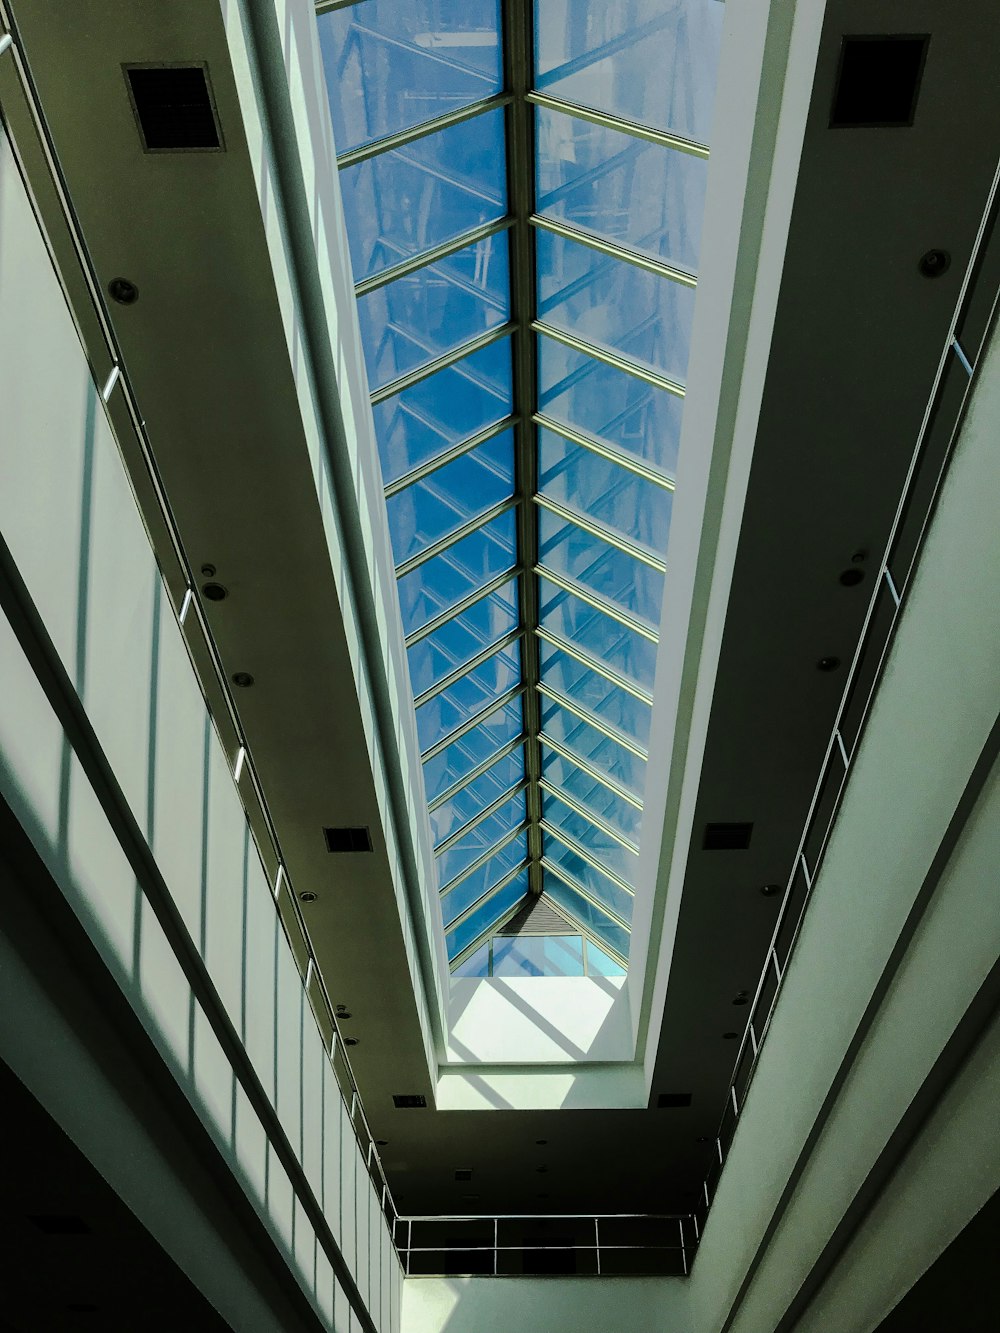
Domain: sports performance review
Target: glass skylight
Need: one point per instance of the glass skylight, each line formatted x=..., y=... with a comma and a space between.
x=523, y=184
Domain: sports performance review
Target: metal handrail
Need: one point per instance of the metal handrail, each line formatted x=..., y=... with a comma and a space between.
x=837, y=752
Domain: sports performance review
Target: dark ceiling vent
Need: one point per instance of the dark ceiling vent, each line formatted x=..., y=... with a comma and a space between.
x=348, y=839
x=173, y=105
x=878, y=81
x=727, y=837
x=60, y=1224
x=463, y=1173
x=666, y=1099
x=408, y=1101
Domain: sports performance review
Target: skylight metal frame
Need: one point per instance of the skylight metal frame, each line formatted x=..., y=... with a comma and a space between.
x=520, y=100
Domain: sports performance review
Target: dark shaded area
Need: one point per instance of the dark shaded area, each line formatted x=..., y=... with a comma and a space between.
x=71, y=1248
x=958, y=1291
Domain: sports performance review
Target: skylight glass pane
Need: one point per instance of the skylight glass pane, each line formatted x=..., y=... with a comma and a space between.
x=609, y=404
x=430, y=191
x=462, y=638
x=614, y=304
x=476, y=796
x=592, y=692
x=638, y=194
x=488, y=915
x=538, y=956
x=636, y=508
x=602, y=888
x=606, y=930
x=409, y=322
x=600, y=964
x=585, y=790
x=486, y=834
x=587, y=743
x=449, y=406
x=469, y=751
x=612, y=575
x=468, y=695
x=602, y=848
x=651, y=61
x=390, y=66
x=444, y=580
x=478, y=963
x=612, y=644
x=443, y=501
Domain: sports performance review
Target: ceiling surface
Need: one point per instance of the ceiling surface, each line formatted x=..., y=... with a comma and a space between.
x=857, y=339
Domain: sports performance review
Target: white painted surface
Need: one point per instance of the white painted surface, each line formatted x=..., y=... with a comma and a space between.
x=70, y=520
x=527, y=1020
x=930, y=719
x=545, y=1305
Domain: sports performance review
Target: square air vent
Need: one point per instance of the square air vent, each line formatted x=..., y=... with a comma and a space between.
x=666, y=1099
x=727, y=837
x=348, y=839
x=878, y=81
x=174, y=108
x=408, y=1101
x=463, y=1173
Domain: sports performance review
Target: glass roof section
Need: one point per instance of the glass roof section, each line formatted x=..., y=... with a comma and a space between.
x=523, y=185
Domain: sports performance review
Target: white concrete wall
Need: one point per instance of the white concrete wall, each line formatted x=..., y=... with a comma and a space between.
x=930, y=721
x=70, y=521
x=545, y=1305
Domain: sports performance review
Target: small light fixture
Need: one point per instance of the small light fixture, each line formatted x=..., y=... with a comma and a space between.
x=343, y=1012
x=208, y=571
x=934, y=263
x=730, y=1036
x=243, y=679
x=123, y=291
x=850, y=578
x=742, y=997
x=541, y=1142
x=770, y=890
x=381, y=1143
x=351, y=1041
x=541, y=1170
x=215, y=592
x=307, y=897
x=828, y=664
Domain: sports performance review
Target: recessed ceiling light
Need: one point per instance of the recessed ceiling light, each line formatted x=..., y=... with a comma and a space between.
x=850, y=578
x=123, y=291
x=730, y=1036
x=351, y=1041
x=742, y=997
x=934, y=263
x=828, y=664
x=215, y=592
x=541, y=1142
x=243, y=679
x=541, y=1170
x=381, y=1143
x=770, y=890
x=307, y=897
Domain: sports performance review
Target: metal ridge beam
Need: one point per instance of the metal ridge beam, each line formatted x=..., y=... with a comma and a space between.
x=518, y=57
